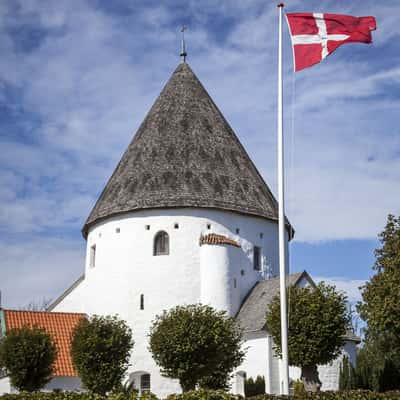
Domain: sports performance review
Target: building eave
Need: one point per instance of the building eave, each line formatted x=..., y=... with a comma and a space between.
x=60, y=298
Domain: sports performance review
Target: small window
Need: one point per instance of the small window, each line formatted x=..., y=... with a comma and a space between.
x=261, y=235
x=92, y=261
x=142, y=301
x=234, y=283
x=161, y=244
x=257, y=258
x=242, y=272
x=147, y=227
x=208, y=226
x=118, y=230
x=176, y=226
x=237, y=231
x=145, y=383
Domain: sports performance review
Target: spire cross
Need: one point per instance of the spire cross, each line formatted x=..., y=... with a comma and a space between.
x=183, y=46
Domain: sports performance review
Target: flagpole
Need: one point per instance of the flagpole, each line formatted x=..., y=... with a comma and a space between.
x=284, y=370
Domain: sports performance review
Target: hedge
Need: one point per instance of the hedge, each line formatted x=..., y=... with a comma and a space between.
x=343, y=395
x=204, y=395
x=57, y=395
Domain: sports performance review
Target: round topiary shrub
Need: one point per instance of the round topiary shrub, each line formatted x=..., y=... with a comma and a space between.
x=28, y=354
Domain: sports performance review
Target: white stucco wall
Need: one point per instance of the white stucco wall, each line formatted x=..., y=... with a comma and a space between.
x=5, y=386
x=64, y=383
x=220, y=277
x=329, y=374
x=126, y=268
x=261, y=360
x=257, y=355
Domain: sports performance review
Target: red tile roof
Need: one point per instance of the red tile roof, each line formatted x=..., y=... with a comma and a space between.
x=58, y=325
x=213, y=238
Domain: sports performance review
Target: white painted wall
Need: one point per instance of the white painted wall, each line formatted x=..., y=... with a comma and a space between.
x=5, y=386
x=256, y=360
x=221, y=278
x=64, y=383
x=126, y=268
x=261, y=360
x=329, y=374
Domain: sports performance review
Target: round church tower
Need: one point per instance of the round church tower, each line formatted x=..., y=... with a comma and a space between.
x=185, y=218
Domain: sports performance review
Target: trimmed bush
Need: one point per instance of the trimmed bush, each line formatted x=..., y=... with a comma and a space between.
x=197, y=345
x=100, y=352
x=341, y=395
x=28, y=355
x=318, y=321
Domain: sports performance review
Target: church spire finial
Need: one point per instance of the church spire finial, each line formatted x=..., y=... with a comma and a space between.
x=183, y=45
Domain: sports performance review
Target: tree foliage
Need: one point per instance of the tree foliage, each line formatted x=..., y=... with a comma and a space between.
x=100, y=352
x=380, y=307
x=318, y=321
x=373, y=371
x=347, y=375
x=28, y=355
x=254, y=387
x=197, y=345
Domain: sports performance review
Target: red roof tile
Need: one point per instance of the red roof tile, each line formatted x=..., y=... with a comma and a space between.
x=58, y=325
x=213, y=238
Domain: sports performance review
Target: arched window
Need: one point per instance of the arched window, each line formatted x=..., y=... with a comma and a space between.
x=140, y=381
x=144, y=383
x=161, y=244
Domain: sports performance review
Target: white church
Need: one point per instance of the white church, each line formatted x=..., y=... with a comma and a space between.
x=185, y=218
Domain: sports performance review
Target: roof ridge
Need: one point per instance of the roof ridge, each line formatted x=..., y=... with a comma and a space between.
x=41, y=311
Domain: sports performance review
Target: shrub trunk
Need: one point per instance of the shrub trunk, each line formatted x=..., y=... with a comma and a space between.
x=187, y=385
x=309, y=376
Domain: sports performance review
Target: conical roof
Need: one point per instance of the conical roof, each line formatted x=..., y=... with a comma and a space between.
x=184, y=154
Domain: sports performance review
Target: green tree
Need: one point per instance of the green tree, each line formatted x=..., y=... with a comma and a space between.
x=218, y=380
x=100, y=352
x=347, y=375
x=367, y=368
x=318, y=321
x=197, y=345
x=380, y=306
x=254, y=387
x=28, y=354
x=376, y=369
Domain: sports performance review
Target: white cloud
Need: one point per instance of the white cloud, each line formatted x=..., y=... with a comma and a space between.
x=349, y=286
x=86, y=85
x=38, y=268
x=89, y=92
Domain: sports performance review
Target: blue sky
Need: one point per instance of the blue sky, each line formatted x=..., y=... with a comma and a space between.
x=77, y=78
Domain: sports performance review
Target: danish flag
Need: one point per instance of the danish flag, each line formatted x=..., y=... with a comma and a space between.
x=315, y=36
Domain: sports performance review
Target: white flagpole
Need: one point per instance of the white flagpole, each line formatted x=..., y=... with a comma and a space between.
x=284, y=372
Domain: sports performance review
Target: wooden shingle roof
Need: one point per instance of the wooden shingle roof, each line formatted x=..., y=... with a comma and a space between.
x=251, y=316
x=58, y=325
x=184, y=154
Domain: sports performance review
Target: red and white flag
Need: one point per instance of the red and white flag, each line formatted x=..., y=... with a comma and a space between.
x=315, y=36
